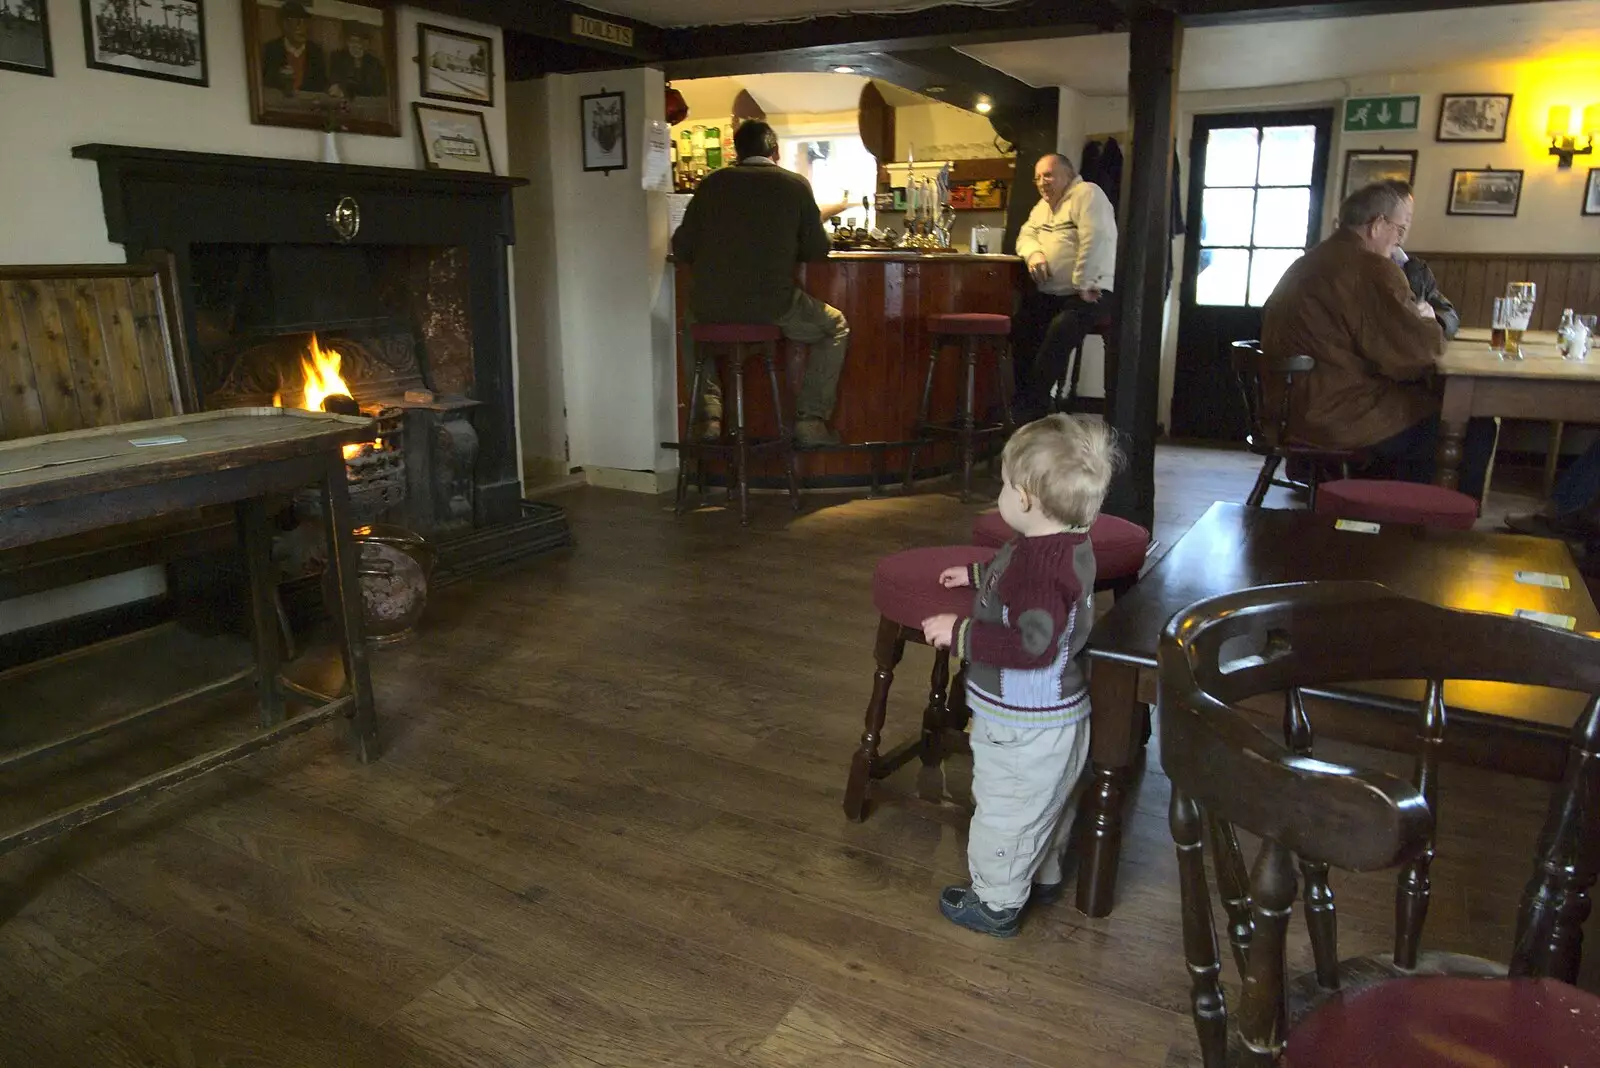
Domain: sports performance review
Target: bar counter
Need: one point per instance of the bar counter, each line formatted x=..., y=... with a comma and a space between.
x=887, y=297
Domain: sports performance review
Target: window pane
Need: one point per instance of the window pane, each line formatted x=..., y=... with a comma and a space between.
x=1225, y=216
x=1266, y=268
x=1231, y=156
x=1223, y=273
x=1282, y=217
x=1287, y=153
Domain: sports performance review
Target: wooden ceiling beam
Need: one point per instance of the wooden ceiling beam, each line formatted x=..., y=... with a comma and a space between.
x=554, y=20
x=1196, y=13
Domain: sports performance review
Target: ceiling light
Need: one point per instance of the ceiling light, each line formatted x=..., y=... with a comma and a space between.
x=844, y=70
x=984, y=105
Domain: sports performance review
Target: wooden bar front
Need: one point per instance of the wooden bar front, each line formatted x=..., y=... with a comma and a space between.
x=887, y=298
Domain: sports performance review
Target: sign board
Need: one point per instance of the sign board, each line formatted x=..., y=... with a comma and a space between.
x=1371, y=114
x=609, y=32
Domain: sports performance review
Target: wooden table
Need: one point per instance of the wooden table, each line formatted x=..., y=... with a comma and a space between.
x=1509, y=728
x=57, y=485
x=1540, y=386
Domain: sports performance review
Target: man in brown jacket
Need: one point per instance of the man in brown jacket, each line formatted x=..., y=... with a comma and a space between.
x=1347, y=305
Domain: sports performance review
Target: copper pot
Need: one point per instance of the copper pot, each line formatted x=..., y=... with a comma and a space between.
x=393, y=569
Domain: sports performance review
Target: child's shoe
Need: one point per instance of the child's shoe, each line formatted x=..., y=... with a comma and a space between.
x=962, y=906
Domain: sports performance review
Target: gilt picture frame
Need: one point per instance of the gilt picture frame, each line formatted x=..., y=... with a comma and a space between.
x=1363, y=167
x=323, y=65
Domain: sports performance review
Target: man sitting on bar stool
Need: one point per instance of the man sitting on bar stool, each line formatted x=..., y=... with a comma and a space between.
x=742, y=234
x=1070, y=246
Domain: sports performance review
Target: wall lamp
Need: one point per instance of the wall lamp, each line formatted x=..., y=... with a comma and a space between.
x=1564, y=144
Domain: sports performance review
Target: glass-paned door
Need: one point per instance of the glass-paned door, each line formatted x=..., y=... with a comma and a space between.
x=1255, y=205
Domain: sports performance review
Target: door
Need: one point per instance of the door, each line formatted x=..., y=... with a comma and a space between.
x=1255, y=205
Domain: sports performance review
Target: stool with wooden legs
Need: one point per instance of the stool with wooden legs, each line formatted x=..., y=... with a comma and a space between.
x=965, y=330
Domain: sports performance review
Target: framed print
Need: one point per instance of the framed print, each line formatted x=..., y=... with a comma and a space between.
x=1591, y=193
x=1473, y=117
x=1485, y=192
x=25, y=37
x=603, y=120
x=453, y=139
x=165, y=40
x=452, y=65
x=1362, y=168
x=323, y=65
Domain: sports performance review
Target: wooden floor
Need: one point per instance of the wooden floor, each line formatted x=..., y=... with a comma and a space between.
x=606, y=830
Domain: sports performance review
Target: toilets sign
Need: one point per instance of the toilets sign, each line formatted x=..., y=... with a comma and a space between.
x=1372, y=114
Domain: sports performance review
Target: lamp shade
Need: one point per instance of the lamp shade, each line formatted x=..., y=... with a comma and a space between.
x=1591, y=120
x=1560, y=121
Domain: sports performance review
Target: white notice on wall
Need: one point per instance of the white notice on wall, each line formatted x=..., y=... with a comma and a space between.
x=657, y=169
x=677, y=204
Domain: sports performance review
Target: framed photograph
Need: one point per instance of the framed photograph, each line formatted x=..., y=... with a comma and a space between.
x=165, y=40
x=452, y=65
x=322, y=65
x=1362, y=168
x=1591, y=193
x=453, y=139
x=1473, y=116
x=1485, y=193
x=604, y=122
x=25, y=37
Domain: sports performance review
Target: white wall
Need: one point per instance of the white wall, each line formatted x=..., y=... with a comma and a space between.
x=602, y=320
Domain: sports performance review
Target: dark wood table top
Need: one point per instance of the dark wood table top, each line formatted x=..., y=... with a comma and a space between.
x=1233, y=547
x=53, y=467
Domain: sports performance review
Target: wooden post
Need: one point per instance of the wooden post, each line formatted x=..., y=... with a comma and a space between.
x=1133, y=378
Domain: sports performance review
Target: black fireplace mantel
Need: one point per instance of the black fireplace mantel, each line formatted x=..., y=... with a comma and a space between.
x=160, y=202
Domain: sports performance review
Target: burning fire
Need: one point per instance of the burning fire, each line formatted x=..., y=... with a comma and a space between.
x=322, y=380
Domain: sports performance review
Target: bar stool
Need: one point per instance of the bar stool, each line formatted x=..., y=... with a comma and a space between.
x=1120, y=547
x=1378, y=500
x=964, y=331
x=742, y=342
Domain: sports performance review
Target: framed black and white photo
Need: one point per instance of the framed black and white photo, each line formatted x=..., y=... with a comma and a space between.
x=453, y=139
x=605, y=132
x=165, y=40
x=1473, y=117
x=1484, y=192
x=1362, y=168
x=25, y=37
x=452, y=65
x=1591, y=193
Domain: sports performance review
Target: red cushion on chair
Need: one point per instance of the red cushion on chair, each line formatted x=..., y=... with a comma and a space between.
x=1385, y=501
x=905, y=586
x=1449, y=1022
x=735, y=333
x=969, y=323
x=1119, y=546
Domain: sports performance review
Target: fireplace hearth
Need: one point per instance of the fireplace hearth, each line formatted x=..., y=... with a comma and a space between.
x=401, y=275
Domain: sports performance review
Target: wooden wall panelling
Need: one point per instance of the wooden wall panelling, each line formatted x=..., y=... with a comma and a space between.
x=1473, y=279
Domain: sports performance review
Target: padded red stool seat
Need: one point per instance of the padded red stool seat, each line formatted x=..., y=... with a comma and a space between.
x=735, y=333
x=966, y=323
x=1387, y=501
x=903, y=592
x=1449, y=1022
x=1119, y=547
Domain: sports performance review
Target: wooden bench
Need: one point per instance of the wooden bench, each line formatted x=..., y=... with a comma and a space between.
x=84, y=346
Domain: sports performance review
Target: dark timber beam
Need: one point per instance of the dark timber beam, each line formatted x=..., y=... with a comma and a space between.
x=553, y=20
x=1143, y=250
x=1240, y=12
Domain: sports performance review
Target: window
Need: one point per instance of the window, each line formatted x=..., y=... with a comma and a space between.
x=1255, y=211
x=838, y=166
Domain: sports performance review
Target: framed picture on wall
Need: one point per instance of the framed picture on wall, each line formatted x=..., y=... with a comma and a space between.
x=452, y=65
x=1362, y=168
x=453, y=139
x=25, y=37
x=165, y=40
x=603, y=119
x=323, y=65
x=1591, y=193
x=1485, y=192
x=1473, y=117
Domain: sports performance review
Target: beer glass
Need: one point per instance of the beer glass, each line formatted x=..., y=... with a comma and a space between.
x=1520, y=297
x=1497, y=327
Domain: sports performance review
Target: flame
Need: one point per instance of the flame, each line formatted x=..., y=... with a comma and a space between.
x=322, y=380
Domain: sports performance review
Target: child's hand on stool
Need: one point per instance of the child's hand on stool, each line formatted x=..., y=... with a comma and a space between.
x=953, y=577
x=938, y=630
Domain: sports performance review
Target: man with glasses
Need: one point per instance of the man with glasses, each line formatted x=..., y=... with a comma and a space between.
x=1347, y=304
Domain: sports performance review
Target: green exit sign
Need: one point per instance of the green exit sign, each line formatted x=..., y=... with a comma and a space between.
x=1373, y=113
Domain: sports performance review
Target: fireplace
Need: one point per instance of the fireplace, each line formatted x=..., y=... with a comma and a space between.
x=397, y=278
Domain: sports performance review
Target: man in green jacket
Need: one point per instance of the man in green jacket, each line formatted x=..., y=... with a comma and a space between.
x=742, y=235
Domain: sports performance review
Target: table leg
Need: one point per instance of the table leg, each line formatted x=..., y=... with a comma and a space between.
x=251, y=518
x=343, y=559
x=1116, y=727
x=1453, y=415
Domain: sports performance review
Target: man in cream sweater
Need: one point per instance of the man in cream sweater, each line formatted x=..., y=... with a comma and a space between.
x=1070, y=246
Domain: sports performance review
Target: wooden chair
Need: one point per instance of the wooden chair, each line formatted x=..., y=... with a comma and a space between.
x=1269, y=410
x=1227, y=774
